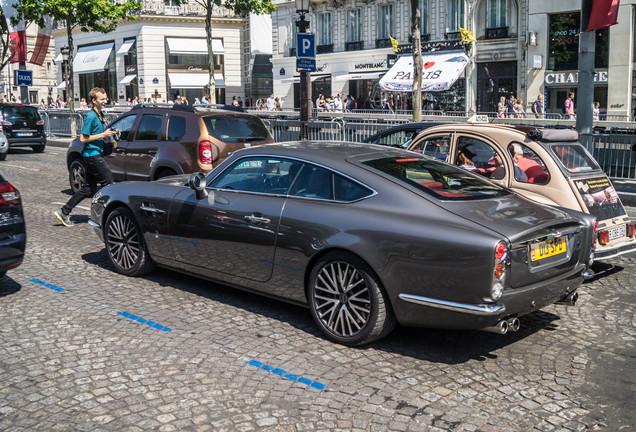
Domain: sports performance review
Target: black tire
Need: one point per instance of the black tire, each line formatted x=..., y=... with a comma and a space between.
x=165, y=172
x=38, y=148
x=125, y=245
x=77, y=174
x=3, y=156
x=347, y=300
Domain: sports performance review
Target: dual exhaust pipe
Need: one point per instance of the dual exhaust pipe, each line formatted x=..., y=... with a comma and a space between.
x=504, y=326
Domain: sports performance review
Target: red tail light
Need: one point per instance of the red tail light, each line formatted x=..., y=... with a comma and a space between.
x=40, y=122
x=500, y=251
x=9, y=195
x=205, y=152
x=595, y=230
x=5, y=123
x=603, y=237
x=631, y=230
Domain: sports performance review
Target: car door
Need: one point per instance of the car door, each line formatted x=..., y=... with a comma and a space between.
x=116, y=160
x=140, y=152
x=232, y=232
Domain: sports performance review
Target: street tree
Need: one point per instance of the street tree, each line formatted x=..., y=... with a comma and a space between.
x=88, y=15
x=237, y=7
x=5, y=43
x=417, y=60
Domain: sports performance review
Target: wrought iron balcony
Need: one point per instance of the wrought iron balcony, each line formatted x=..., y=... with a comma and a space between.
x=452, y=35
x=354, y=46
x=383, y=43
x=497, y=33
x=423, y=38
x=324, y=49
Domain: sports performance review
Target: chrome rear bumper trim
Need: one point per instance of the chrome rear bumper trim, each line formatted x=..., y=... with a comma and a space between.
x=472, y=309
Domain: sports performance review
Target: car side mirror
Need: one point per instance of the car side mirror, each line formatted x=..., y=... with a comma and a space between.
x=197, y=182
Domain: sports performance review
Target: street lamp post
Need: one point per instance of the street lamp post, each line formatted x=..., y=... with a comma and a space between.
x=65, y=52
x=302, y=7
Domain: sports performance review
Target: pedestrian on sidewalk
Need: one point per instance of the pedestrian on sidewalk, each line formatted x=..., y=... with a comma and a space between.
x=97, y=170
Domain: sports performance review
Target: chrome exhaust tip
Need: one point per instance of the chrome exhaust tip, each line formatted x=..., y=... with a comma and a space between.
x=500, y=328
x=514, y=324
x=588, y=273
x=570, y=299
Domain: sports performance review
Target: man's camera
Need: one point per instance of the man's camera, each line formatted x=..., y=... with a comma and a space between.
x=115, y=137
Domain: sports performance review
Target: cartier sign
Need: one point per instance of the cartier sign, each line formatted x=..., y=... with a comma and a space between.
x=571, y=78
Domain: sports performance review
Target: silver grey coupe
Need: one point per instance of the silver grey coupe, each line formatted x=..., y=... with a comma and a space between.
x=366, y=236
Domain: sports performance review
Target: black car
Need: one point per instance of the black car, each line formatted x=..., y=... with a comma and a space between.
x=401, y=135
x=12, y=227
x=23, y=126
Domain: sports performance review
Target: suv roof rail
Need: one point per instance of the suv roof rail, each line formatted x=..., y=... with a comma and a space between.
x=178, y=107
x=220, y=106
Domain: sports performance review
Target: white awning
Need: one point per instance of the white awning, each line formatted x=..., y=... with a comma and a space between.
x=62, y=85
x=194, y=80
x=92, y=58
x=439, y=72
x=295, y=80
x=125, y=47
x=359, y=76
x=187, y=46
x=127, y=79
x=59, y=58
x=217, y=46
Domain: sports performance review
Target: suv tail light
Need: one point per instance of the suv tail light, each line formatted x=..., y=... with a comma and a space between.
x=9, y=195
x=205, y=152
x=40, y=122
x=5, y=123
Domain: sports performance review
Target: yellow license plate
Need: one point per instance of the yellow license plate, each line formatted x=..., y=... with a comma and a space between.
x=548, y=248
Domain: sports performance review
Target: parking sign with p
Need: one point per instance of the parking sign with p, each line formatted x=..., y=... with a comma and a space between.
x=306, y=48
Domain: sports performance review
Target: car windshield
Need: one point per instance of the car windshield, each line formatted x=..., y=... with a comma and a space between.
x=236, y=129
x=437, y=179
x=574, y=158
x=20, y=113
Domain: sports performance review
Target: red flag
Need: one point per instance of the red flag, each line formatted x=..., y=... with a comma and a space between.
x=42, y=42
x=604, y=14
x=16, y=33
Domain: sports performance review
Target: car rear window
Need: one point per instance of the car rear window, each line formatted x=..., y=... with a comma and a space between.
x=236, y=129
x=574, y=158
x=437, y=179
x=20, y=113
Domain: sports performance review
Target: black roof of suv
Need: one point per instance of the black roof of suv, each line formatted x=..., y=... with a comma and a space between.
x=23, y=126
x=159, y=140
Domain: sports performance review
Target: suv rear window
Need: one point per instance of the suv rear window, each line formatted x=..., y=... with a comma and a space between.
x=439, y=180
x=20, y=113
x=236, y=129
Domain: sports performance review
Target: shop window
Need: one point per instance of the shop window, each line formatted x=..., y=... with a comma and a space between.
x=564, y=43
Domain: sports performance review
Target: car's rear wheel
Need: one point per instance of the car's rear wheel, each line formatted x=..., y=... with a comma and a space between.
x=3, y=156
x=347, y=300
x=38, y=148
x=125, y=244
x=165, y=172
x=77, y=174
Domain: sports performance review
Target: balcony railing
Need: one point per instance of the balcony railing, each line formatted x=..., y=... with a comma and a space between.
x=383, y=43
x=423, y=38
x=497, y=33
x=452, y=35
x=324, y=49
x=354, y=46
x=171, y=10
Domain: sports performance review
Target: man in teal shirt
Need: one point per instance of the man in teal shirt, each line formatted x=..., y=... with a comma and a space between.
x=97, y=170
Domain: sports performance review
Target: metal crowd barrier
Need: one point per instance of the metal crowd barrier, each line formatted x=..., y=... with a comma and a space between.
x=62, y=122
x=616, y=153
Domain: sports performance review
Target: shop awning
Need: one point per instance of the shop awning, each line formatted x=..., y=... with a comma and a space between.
x=194, y=46
x=92, y=58
x=125, y=47
x=194, y=80
x=217, y=46
x=359, y=76
x=295, y=80
x=62, y=85
x=59, y=58
x=127, y=79
x=439, y=72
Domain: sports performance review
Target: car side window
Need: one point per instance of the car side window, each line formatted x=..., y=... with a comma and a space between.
x=149, y=127
x=396, y=139
x=530, y=163
x=434, y=146
x=313, y=182
x=478, y=156
x=259, y=174
x=176, y=127
x=348, y=190
x=125, y=124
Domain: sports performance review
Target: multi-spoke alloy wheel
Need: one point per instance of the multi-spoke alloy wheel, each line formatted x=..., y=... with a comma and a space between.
x=347, y=301
x=125, y=245
x=77, y=175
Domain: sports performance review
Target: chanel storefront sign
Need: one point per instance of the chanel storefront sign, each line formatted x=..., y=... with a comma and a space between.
x=572, y=78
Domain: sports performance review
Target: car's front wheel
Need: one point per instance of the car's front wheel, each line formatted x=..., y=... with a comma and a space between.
x=77, y=174
x=38, y=148
x=347, y=300
x=125, y=244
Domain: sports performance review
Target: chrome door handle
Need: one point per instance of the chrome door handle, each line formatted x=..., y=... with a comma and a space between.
x=257, y=219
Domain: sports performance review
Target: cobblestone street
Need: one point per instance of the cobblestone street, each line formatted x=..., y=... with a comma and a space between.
x=84, y=348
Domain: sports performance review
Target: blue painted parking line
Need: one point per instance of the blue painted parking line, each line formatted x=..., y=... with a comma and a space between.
x=281, y=373
x=144, y=321
x=48, y=285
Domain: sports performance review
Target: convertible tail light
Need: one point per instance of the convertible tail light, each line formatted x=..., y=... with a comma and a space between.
x=9, y=195
x=603, y=237
x=205, y=152
x=631, y=230
x=499, y=271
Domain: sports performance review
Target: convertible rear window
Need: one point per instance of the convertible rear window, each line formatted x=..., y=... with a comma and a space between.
x=237, y=129
x=574, y=157
x=439, y=180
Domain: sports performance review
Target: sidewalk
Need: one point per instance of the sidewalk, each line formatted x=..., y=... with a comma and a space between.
x=626, y=189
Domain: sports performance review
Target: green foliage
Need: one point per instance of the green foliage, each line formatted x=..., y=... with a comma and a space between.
x=90, y=15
